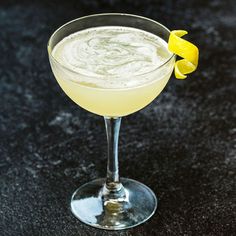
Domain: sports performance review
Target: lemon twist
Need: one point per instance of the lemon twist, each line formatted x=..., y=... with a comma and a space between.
x=183, y=48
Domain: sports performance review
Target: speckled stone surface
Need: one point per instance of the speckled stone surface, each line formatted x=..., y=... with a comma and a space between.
x=183, y=145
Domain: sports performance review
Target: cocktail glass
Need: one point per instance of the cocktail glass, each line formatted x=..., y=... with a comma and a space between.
x=112, y=203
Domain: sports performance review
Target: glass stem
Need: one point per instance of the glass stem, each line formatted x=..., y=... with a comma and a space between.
x=113, y=189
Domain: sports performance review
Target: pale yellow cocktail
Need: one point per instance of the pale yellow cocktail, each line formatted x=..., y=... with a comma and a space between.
x=114, y=64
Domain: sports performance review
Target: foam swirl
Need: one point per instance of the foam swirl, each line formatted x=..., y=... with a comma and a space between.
x=111, y=51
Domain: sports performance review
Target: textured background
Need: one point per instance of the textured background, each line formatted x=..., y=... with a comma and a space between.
x=183, y=145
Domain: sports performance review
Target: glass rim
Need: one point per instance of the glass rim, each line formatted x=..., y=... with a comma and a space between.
x=106, y=14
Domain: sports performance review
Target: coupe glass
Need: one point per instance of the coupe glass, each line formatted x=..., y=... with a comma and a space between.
x=112, y=203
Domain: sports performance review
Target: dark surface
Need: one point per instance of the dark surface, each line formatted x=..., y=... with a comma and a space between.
x=183, y=145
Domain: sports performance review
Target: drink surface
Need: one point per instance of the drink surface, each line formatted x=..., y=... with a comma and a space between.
x=112, y=71
x=112, y=56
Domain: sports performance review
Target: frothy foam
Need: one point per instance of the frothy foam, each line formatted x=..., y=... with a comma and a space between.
x=111, y=55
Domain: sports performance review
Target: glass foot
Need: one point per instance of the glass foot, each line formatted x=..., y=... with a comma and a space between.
x=89, y=206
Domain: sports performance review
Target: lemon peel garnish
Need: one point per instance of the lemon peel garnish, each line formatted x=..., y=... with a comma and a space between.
x=183, y=48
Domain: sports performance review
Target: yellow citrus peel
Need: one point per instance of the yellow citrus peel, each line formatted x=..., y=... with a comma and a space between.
x=183, y=48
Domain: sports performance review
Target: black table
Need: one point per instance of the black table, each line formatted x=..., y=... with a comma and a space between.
x=182, y=145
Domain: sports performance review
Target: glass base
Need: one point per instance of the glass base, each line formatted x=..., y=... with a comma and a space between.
x=89, y=206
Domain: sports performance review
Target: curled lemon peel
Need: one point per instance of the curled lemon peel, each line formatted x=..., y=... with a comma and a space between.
x=183, y=48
